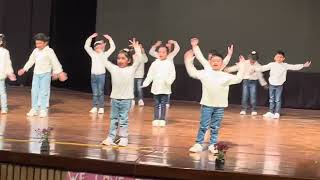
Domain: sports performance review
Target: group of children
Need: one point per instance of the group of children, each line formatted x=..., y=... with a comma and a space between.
x=127, y=80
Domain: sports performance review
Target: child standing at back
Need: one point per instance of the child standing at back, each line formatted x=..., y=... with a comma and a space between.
x=249, y=82
x=98, y=71
x=278, y=74
x=46, y=65
x=122, y=94
x=215, y=90
x=161, y=74
x=6, y=71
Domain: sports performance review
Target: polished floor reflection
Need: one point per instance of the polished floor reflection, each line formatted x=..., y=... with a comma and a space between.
x=287, y=147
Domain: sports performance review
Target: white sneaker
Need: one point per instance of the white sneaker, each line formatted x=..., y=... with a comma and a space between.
x=276, y=116
x=123, y=142
x=155, y=122
x=168, y=105
x=254, y=113
x=213, y=149
x=140, y=102
x=162, y=123
x=101, y=111
x=243, y=113
x=94, y=110
x=107, y=142
x=268, y=115
x=4, y=112
x=196, y=148
x=32, y=112
x=43, y=114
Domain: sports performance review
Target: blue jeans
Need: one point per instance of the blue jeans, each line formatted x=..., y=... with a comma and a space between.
x=138, y=91
x=249, y=89
x=3, y=94
x=119, y=117
x=210, y=116
x=97, y=85
x=275, y=93
x=40, y=91
x=160, y=101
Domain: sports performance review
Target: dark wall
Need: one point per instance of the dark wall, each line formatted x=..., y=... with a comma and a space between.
x=71, y=23
x=19, y=21
x=265, y=25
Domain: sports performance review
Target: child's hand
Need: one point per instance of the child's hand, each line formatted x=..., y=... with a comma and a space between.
x=21, y=72
x=194, y=42
x=171, y=41
x=54, y=76
x=134, y=43
x=230, y=50
x=94, y=35
x=241, y=58
x=188, y=56
x=107, y=36
x=265, y=87
x=307, y=64
x=62, y=76
x=12, y=77
x=158, y=43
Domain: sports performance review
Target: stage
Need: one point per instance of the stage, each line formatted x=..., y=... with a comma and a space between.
x=288, y=148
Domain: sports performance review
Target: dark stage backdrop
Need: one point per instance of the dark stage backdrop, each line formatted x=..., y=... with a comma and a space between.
x=266, y=25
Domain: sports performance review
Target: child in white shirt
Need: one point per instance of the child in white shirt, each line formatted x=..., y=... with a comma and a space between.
x=161, y=74
x=6, y=71
x=249, y=82
x=122, y=94
x=98, y=71
x=215, y=90
x=46, y=65
x=278, y=74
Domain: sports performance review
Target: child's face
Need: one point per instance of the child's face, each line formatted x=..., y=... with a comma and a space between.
x=122, y=60
x=163, y=53
x=100, y=48
x=41, y=44
x=216, y=63
x=279, y=58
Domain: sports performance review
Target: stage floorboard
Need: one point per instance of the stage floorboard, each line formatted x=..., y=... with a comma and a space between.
x=259, y=148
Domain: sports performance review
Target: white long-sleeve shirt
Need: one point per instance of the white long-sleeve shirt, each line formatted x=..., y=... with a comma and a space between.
x=250, y=72
x=215, y=84
x=45, y=61
x=140, y=70
x=161, y=74
x=5, y=63
x=278, y=71
x=122, y=79
x=204, y=62
x=97, y=59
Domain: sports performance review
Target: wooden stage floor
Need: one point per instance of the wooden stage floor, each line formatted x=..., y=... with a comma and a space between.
x=260, y=149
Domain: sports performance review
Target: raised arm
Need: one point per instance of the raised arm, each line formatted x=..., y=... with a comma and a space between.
x=264, y=68
x=153, y=51
x=297, y=67
x=137, y=57
x=175, y=50
x=196, y=50
x=227, y=59
x=112, y=46
x=188, y=61
x=87, y=45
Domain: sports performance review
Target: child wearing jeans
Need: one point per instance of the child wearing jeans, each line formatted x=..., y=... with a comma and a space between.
x=215, y=90
x=138, y=79
x=46, y=65
x=6, y=71
x=161, y=74
x=98, y=71
x=249, y=82
x=278, y=74
x=122, y=78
